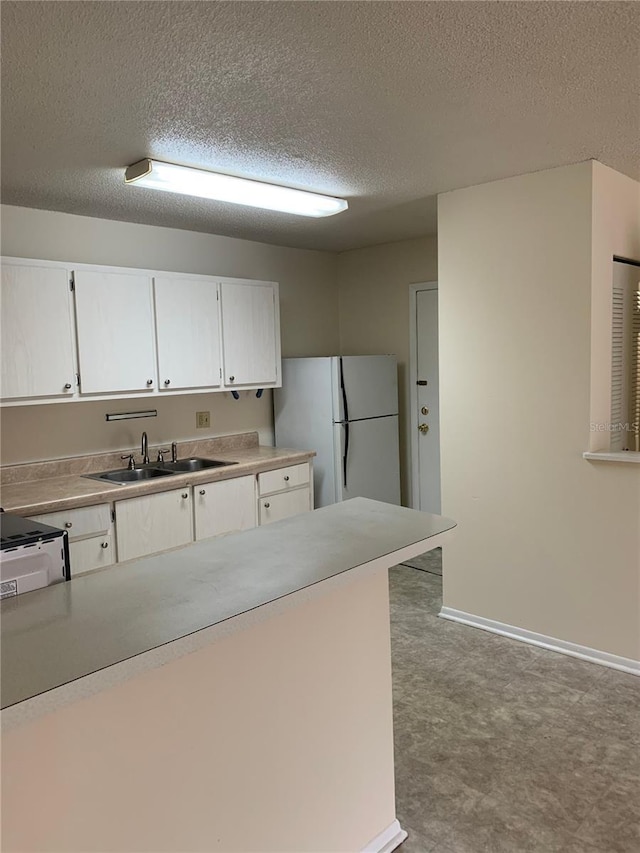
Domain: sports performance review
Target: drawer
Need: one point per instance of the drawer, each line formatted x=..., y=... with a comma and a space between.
x=89, y=554
x=86, y=521
x=283, y=478
x=283, y=505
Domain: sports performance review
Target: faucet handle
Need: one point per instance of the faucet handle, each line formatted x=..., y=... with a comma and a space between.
x=161, y=455
x=132, y=462
x=174, y=451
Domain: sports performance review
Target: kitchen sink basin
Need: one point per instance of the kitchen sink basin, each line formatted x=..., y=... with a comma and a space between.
x=160, y=469
x=183, y=466
x=127, y=475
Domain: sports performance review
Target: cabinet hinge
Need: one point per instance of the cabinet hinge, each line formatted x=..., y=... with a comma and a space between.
x=72, y=283
x=113, y=515
x=78, y=379
x=220, y=373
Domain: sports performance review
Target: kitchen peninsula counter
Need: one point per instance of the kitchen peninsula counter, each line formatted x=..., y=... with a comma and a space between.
x=243, y=684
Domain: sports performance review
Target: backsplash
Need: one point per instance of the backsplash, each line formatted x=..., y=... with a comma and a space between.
x=68, y=430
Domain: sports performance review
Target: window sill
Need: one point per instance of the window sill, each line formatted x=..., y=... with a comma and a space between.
x=612, y=456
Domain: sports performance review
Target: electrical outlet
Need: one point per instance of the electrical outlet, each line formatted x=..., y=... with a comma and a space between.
x=203, y=420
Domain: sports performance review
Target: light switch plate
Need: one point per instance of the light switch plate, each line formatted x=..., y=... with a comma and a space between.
x=203, y=420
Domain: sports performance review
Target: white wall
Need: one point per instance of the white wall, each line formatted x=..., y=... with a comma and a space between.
x=546, y=540
x=374, y=314
x=308, y=308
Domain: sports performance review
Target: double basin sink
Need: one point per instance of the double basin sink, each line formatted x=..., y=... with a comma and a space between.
x=123, y=476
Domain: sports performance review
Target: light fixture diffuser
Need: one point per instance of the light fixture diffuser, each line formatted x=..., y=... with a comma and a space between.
x=198, y=182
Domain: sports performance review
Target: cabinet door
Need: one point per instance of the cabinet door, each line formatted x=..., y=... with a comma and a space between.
x=250, y=334
x=114, y=314
x=85, y=555
x=153, y=523
x=188, y=333
x=277, y=507
x=37, y=333
x=224, y=506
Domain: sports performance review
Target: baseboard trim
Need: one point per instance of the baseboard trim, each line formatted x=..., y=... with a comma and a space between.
x=572, y=649
x=388, y=840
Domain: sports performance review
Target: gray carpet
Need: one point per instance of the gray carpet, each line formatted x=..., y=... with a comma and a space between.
x=501, y=747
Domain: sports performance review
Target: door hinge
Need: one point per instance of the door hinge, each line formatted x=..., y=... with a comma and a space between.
x=72, y=283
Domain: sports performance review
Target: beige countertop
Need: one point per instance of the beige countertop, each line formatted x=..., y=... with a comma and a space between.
x=57, y=635
x=54, y=486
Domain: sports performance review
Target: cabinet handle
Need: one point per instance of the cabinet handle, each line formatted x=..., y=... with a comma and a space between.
x=185, y=495
x=149, y=381
x=202, y=492
x=231, y=378
x=267, y=504
x=286, y=479
x=68, y=524
x=105, y=545
x=167, y=382
x=67, y=386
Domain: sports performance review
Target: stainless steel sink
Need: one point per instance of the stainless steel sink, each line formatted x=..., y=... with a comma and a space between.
x=183, y=466
x=127, y=475
x=160, y=469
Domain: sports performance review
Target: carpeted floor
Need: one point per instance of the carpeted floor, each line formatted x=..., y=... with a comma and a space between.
x=502, y=747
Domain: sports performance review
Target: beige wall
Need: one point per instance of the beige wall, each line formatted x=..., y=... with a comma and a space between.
x=309, y=320
x=546, y=540
x=374, y=313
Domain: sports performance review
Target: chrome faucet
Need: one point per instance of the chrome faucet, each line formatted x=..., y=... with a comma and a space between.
x=145, y=449
x=174, y=451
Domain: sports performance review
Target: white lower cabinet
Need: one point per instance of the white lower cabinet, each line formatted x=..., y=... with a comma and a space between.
x=224, y=506
x=277, y=507
x=91, y=539
x=284, y=492
x=153, y=523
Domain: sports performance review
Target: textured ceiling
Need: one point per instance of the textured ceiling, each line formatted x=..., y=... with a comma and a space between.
x=385, y=103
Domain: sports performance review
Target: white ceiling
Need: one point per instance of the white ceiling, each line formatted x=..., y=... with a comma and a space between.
x=384, y=103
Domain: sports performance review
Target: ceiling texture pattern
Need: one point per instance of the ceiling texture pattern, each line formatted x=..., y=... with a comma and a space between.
x=383, y=103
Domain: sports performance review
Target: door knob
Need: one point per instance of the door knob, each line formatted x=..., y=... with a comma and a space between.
x=424, y=410
x=423, y=427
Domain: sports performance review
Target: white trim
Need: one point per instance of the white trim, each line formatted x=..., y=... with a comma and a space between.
x=552, y=643
x=414, y=472
x=612, y=456
x=388, y=840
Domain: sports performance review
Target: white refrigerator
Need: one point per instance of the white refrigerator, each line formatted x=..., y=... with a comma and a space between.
x=346, y=409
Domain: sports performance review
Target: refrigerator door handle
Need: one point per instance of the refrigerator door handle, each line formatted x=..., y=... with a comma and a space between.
x=345, y=455
x=345, y=405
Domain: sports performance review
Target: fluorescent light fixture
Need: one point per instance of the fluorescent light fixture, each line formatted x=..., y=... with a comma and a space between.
x=203, y=184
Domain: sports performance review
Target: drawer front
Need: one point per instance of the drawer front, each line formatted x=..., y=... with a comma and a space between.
x=86, y=521
x=89, y=554
x=283, y=478
x=277, y=507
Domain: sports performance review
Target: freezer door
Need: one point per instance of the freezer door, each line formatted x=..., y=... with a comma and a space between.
x=367, y=460
x=368, y=382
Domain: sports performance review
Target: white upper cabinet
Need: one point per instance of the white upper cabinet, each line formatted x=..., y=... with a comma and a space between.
x=37, y=333
x=114, y=314
x=188, y=333
x=250, y=334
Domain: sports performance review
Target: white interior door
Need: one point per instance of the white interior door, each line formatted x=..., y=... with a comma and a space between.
x=426, y=418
